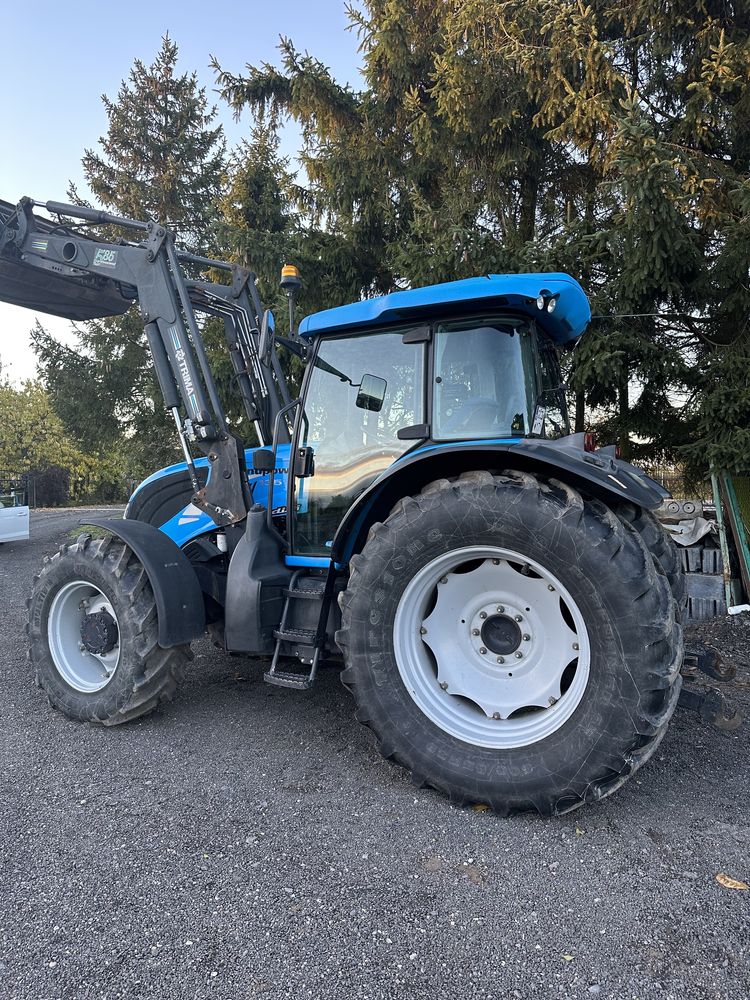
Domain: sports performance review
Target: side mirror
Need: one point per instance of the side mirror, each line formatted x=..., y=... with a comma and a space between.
x=371, y=393
x=267, y=328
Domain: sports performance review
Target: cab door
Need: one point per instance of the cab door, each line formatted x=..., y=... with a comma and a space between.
x=361, y=391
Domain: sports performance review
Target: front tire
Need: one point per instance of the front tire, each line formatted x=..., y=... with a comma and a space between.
x=568, y=585
x=93, y=635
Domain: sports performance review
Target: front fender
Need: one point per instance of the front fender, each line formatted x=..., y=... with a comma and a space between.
x=600, y=474
x=179, y=599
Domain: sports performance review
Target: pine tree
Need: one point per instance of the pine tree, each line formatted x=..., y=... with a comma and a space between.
x=162, y=157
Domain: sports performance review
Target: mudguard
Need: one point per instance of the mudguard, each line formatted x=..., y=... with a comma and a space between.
x=598, y=472
x=179, y=599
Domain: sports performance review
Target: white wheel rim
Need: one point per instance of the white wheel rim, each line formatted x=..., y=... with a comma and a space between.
x=82, y=669
x=491, y=647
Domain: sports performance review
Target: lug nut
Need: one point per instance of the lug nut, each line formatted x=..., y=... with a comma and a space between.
x=500, y=609
x=475, y=631
x=495, y=562
x=576, y=646
x=444, y=685
x=550, y=587
x=482, y=614
x=519, y=655
x=519, y=618
x=526, y=637
x=482, y=650
x=423, y=631
x=552, y=700
x=495, y=715
x=444, y=579
x=501, y=659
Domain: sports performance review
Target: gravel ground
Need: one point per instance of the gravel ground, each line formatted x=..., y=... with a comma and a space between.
x=250, y=842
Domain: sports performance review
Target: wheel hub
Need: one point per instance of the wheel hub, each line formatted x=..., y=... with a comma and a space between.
x=84, y=636
x=491, y=646
x=99, y=632
x=501, y=635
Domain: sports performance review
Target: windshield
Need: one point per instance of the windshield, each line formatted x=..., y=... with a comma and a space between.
x=485, y=379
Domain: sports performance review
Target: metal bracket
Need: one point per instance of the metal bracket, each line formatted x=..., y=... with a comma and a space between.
x=240, y=279
x=708, y=660
x=225, y=496
x=157, y=235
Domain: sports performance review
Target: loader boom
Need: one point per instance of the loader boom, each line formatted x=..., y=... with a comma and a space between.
x=108, y=277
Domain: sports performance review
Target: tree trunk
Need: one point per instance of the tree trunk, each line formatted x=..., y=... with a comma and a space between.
x=529, y=195
x=623, y=401
x=580, y=418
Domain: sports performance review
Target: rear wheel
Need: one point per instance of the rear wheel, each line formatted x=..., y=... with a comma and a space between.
x=511, y=643
x=93, y=635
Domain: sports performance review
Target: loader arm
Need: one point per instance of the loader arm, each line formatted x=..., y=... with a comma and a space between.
x=65, y=272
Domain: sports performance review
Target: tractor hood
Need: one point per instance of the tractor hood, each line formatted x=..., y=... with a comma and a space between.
x=74, y=297
x=518, y=292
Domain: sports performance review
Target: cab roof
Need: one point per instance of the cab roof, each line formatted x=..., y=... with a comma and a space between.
x=517, y=292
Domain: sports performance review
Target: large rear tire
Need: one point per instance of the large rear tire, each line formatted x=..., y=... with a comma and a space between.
x=555, y=656
x=93, y=635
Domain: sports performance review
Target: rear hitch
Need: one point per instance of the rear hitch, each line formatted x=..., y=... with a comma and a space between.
x=706, y=659
x=709, y=702
x=712, y=706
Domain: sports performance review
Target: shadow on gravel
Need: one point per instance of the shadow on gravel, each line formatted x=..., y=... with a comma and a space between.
x=249, y=841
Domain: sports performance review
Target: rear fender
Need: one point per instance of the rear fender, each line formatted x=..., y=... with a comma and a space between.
x=179, y=599
x=597, y=473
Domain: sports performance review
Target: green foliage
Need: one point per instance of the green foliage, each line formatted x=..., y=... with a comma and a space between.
x=33, y=440
x=609, y=140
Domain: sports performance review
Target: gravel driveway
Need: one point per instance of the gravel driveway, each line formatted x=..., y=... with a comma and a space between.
x=250, y=842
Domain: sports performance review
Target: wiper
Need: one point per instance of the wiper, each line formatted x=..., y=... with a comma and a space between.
x=320, y=363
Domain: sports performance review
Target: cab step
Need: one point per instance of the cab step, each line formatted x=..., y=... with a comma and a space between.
x=301, y=639
x=299, y=636
x=290, y=679
x=304, y=595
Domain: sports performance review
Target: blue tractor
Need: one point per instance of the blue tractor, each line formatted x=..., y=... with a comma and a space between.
x=503, y=602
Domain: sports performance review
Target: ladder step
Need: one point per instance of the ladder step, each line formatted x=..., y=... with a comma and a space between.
x=305, y=595
x=284, y=678
x=300, y=636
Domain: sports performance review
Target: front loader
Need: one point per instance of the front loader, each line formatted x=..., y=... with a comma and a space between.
x=503, y=602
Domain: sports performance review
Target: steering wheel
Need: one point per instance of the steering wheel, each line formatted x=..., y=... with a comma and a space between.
x=476, y=415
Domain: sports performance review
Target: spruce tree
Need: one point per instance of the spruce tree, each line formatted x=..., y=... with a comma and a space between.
x=162, y=157
x=604, y=139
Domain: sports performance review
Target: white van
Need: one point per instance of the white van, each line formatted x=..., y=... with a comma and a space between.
x=14, y=511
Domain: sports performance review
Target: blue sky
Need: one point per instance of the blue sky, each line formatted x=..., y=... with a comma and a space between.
x=58, y=59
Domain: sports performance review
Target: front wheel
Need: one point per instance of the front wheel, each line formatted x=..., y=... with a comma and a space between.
x=511, y=643
x=93, y=635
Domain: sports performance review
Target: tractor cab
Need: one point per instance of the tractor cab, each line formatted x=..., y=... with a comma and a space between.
x=429, y=369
